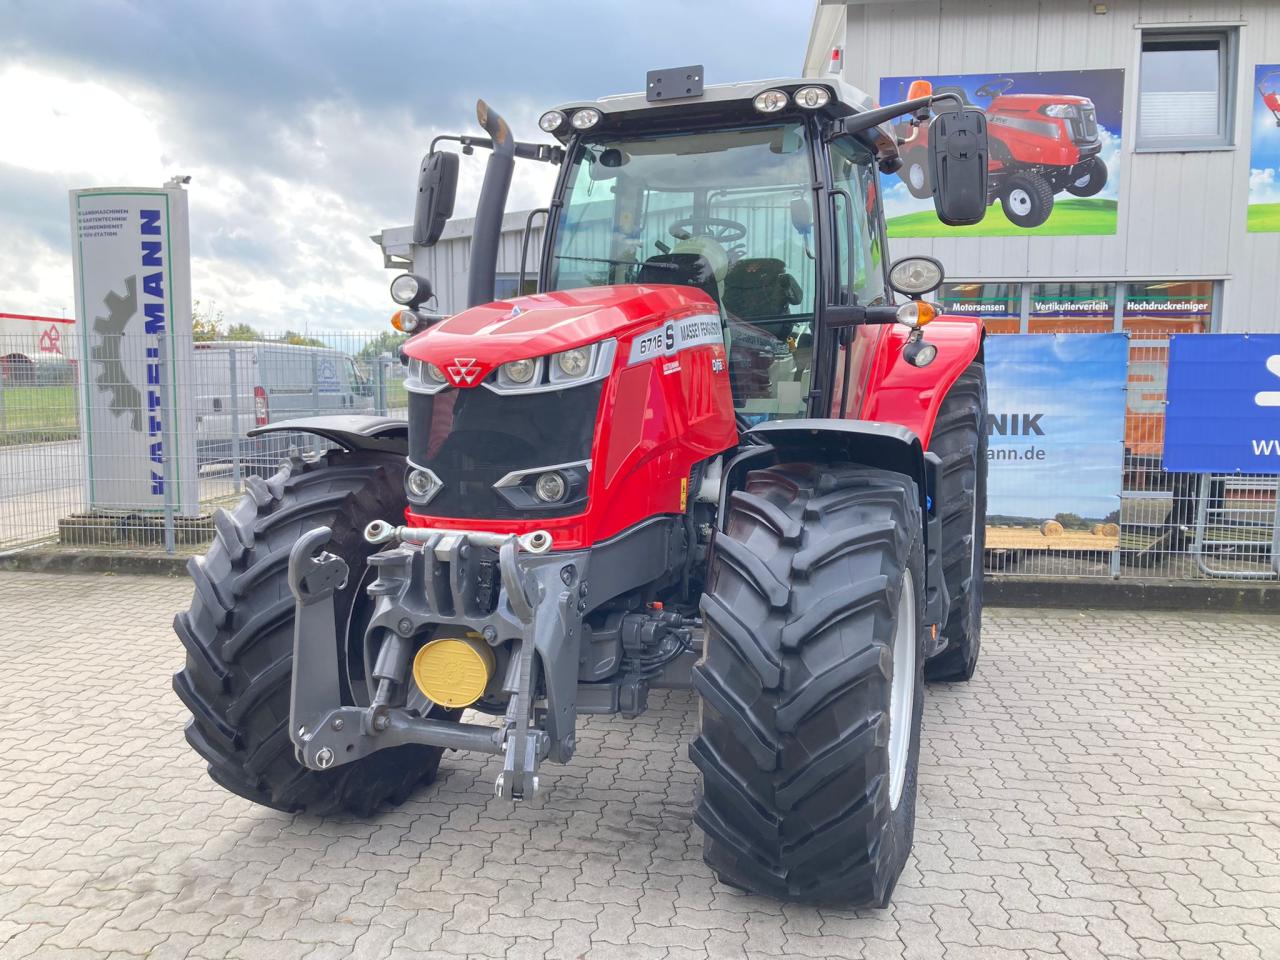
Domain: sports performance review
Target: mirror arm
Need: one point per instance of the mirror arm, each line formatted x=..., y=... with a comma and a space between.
x=839, y=315
x=873, y=118
x=545, y=152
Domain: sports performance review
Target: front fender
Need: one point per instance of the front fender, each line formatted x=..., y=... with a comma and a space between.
x=899, y=392
x=355, y=433
x=887, y=446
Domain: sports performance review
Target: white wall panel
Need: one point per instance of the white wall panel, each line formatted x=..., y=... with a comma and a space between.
x=1181, y=215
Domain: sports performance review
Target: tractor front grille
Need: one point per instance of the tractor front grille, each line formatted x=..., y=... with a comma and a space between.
x=1084, y=128
x=470, y=439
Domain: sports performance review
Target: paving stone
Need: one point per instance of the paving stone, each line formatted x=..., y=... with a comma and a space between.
x=1105, y=787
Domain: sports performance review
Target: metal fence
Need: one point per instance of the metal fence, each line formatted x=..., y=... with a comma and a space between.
x=81, y=477
x=1181, y=526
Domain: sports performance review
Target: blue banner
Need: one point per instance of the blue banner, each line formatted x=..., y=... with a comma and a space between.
x=1223, y=413
x=1056, y=439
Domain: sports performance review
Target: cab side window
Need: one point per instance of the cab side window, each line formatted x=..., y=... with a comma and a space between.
x=862, y=275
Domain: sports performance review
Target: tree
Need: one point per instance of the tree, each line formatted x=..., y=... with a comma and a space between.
x=386, y=342
x=298, y=339
x=1071, y=521
x=206, y=322
x=242, y=331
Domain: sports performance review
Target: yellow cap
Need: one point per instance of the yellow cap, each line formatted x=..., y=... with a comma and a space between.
x=453, y=672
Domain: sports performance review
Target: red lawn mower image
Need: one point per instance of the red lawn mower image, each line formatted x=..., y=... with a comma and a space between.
x=1041, y=144
x=1269, y=87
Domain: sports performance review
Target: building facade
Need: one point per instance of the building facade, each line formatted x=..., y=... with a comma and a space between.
x=1189, y=242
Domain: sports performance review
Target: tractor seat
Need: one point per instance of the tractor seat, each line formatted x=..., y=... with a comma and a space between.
x=684, y=269
x=759, y=288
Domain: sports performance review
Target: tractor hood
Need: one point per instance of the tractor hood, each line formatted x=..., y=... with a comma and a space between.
x=547, y=323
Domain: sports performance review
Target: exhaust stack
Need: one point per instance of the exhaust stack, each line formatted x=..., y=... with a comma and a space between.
x=492, y=205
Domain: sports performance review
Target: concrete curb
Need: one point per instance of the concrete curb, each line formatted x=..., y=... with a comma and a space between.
x=81, y=560
x=1084, y=593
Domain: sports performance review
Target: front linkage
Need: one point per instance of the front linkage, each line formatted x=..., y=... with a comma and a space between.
x=535, y=610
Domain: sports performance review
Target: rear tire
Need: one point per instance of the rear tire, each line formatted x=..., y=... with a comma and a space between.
x=960, y=439
x=915, y=174
x=238, y=633
x=1027, y=199
x=817, y=568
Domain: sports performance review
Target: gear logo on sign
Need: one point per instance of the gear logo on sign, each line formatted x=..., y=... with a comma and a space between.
x=109, y=330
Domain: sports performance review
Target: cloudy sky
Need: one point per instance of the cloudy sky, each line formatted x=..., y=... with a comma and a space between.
x=302, y=124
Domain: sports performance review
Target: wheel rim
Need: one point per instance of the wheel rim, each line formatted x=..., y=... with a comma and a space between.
x=1020, y=202
x=916, y=175
x=902, y=690
x=1083, y=181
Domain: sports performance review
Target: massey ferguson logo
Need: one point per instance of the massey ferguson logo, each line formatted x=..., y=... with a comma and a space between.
x=463, y=371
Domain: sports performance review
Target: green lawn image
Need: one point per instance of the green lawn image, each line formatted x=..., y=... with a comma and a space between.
x=1072, y=217
x=1263, y=218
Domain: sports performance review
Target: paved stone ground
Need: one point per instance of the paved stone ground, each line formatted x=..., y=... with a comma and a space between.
x=1108, y=786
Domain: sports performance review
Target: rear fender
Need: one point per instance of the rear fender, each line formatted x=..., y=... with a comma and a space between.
x=356, y=434
x=886, y=446
x=901, y=393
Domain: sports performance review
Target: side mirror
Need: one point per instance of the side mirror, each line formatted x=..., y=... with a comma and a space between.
x=437, y=185
x=801, y=216
x=958, y=165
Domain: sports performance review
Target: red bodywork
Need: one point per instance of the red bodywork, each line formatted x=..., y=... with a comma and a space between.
x=659, y=414
x=1048, y=143
x=664, y=409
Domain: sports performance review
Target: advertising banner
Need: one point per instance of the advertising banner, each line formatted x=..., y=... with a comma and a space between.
x=132, y=264
x=1054, y=157
x=1055, y=431
x=1264, y=161
x=1223, y=414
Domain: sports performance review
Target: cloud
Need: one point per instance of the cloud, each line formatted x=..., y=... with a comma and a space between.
x=303, y=133
x=1264, y=185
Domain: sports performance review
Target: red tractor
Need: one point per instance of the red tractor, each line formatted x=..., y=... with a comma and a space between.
x=1040, y=145
x=583, y=505
x=1269, y=89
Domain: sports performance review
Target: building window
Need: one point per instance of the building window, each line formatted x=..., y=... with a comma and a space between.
x=1072, y=308
x=998, y=304
x=1162, y=307
x=1186, y=90
x=505, y=284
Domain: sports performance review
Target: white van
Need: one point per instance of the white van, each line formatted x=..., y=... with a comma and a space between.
x=274, y=381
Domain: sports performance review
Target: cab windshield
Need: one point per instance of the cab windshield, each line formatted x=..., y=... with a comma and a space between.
x=729, y=212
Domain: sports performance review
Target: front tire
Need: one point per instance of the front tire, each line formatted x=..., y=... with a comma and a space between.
x=810, y=724
x=238, y=633
x=1088, y=178
x=960, y=439
x=1027, y=199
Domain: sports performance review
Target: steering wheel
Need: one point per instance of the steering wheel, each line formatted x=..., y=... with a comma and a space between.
x=722, y=231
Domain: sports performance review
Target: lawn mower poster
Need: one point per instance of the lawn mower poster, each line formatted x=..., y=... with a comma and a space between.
x=1055, y=451
x=1053, y=161
x=1264, y=161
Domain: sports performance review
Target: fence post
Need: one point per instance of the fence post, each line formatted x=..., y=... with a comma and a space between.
x=4, y=417
x=315, y=398
x=236, y=469
x=380, y=384
x=167, y=414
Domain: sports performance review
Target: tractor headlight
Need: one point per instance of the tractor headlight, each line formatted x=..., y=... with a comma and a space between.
x=551, y=121
x=1062, y=111
x=409, y=290
x=771, y=101
x=575, y=362
x=518, y=372
x=585, y=118
x=915, y=276
x=550, y=487
x=555, y=371
x=421, y=485
x=811, y=98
